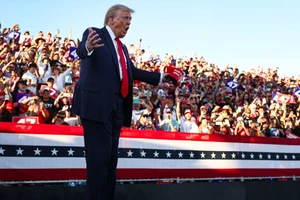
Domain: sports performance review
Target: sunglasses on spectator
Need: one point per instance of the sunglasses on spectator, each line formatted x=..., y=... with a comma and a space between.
x=68, y=84
x=60, y=117
x=145, y=116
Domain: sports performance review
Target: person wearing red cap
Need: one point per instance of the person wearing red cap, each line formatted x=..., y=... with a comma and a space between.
x=187, y=125
x=203, y=113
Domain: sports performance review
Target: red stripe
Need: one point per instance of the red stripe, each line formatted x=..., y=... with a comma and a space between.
x=72, y=174
x=127, y=133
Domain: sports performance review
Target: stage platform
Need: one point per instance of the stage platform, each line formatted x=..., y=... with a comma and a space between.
x=248, y=190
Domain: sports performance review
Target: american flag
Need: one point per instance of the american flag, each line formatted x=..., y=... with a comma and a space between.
x=48, y=152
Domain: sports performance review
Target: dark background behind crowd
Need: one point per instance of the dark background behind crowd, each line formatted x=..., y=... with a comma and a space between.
x=38, y=76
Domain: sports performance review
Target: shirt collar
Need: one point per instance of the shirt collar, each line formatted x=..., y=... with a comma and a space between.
x=111, y=33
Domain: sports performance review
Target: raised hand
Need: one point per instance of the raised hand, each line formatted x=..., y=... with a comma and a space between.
x=176, y=92
x=142, y=101
x=93, y=40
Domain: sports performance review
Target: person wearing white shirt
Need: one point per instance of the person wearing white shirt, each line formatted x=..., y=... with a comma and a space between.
x=31, y=77
x=136, y=112
x=26, y=38
x=188, y=125
x=44, y=69
x=170, y=105
x=169, y=124
x=59, y=77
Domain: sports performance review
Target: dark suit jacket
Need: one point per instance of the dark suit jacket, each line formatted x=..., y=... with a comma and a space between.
x=99, y=84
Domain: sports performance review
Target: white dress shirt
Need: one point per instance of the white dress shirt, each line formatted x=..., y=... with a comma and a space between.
x=113, y=37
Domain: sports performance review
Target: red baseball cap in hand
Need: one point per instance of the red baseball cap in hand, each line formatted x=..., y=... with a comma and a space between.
x=174, y=74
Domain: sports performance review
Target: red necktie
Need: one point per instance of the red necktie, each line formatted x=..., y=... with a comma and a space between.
x=124, y=87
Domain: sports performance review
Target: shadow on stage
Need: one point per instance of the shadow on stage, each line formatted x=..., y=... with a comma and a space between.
x=248, y=190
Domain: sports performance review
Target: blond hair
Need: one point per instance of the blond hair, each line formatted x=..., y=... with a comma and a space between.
x=113, y=10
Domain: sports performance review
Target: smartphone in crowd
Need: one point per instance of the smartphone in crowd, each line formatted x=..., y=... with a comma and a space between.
x=158, y=111
x=150, y=120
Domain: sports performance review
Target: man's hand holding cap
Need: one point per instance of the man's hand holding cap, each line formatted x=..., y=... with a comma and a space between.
x=173, y=74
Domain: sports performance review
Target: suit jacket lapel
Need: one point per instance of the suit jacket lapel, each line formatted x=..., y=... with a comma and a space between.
x=111, y=47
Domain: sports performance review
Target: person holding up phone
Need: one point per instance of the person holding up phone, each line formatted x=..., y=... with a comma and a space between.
x=169, y=124
x=240, y=129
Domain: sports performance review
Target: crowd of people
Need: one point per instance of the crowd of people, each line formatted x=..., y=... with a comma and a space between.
x=38, y=76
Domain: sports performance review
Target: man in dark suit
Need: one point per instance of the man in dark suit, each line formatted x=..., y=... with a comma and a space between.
x=103, y=97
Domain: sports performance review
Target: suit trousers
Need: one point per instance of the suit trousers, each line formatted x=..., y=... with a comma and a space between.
x=101, y=149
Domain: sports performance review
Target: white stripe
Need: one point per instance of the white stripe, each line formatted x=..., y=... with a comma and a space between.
x=41, y=163
x=205, y=164
x=135, y=163
x=141, y=143
x=41, y=139
x=66, y=140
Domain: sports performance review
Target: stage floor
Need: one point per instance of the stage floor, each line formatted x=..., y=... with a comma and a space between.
x=248, y=190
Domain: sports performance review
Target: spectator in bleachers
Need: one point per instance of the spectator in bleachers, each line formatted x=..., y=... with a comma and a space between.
x=75, y=74
x=205, y=127
x=12, y=81
x=36, y=108
x=8, y=68
x=187, y=124
x=59, y=119
x=169, y=123
x=206, y=97
x=62, y=102
x=240, y=128
x=59, y=77
x=145, y=122
x=53, y=92
x=31, y=76
x=44, y=69
x=26, y=38
x=48, y=104
x=137, y=112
